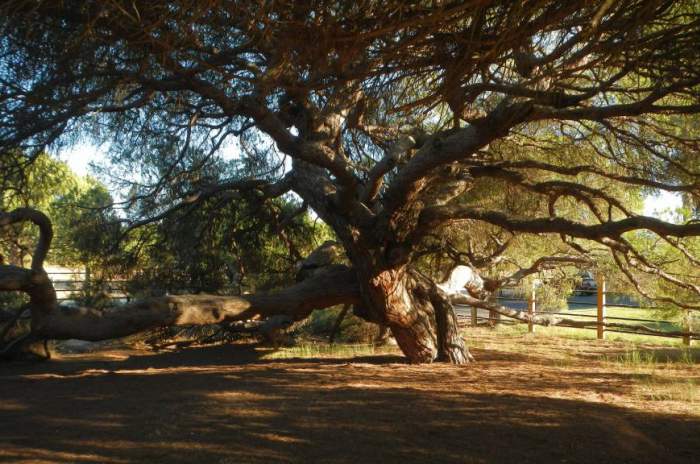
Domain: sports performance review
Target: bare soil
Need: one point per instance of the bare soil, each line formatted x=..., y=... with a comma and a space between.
x=532, y=401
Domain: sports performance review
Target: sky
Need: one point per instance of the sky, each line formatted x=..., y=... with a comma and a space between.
x=79, y=157
x=662, y=205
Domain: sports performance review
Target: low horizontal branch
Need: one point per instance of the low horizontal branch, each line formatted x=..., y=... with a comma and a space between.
x=336, y=285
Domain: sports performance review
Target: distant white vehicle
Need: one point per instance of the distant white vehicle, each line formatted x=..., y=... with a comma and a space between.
x=588, y=285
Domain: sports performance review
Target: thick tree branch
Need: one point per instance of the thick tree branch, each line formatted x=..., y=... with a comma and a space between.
x=540, y=264
x=375, y=178
x=450, y=146
x=432, y=217
x=45, y=231
x=335, y=285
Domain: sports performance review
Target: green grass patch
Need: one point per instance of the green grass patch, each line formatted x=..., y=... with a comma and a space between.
x=325, y=350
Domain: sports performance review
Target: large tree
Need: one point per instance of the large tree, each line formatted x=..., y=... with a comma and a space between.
x=393, y=121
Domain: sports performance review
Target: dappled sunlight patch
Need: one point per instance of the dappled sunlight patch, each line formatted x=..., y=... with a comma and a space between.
x=366, y=386
x=147, y=371
x=169, y=370
x=10, y=405
x=82, y=374
x=96, y=356
x=243, y=404
x=159, y=447
x=279, y=438
x=663, y=389
x=231, y=395
x=41, y=456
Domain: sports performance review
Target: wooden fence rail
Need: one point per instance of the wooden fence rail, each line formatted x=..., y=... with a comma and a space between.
x=603, y=324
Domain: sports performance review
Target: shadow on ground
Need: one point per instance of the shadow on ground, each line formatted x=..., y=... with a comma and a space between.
x=225, y=405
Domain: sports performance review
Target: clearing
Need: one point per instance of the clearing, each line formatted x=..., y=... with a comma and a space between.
x=527, y=399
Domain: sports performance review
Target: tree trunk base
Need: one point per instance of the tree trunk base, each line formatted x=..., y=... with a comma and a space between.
x=28, y=347
x=421, y=318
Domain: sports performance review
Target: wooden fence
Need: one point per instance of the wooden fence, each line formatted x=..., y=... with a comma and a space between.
x=70, y=285
x=69, y=288
x=603, y=322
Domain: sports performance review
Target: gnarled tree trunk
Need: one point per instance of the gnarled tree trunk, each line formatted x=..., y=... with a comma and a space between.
x=419, y=314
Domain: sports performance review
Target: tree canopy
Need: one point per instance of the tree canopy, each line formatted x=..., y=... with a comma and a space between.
x=398, y=123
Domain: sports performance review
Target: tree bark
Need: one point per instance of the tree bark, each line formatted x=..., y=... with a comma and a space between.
x=420, y=317
x=338, y=321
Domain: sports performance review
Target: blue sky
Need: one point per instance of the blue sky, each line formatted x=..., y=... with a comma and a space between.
x=79, y=157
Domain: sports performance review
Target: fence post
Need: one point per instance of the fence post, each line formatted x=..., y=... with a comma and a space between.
x=494, y=317
x=475, y=320
x=687, y=327
x=531, y=311
x=601, y=307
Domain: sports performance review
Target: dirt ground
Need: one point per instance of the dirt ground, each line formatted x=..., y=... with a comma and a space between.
x=542, y=402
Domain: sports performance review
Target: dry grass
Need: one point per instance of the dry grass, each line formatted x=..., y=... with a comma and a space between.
x=662, y=373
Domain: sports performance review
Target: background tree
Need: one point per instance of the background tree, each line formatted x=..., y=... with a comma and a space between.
x=41, y=186
x=393, y=121
x=75, y=205
x=224, y=248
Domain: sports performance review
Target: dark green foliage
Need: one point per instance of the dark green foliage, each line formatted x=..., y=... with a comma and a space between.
x=223, y=248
